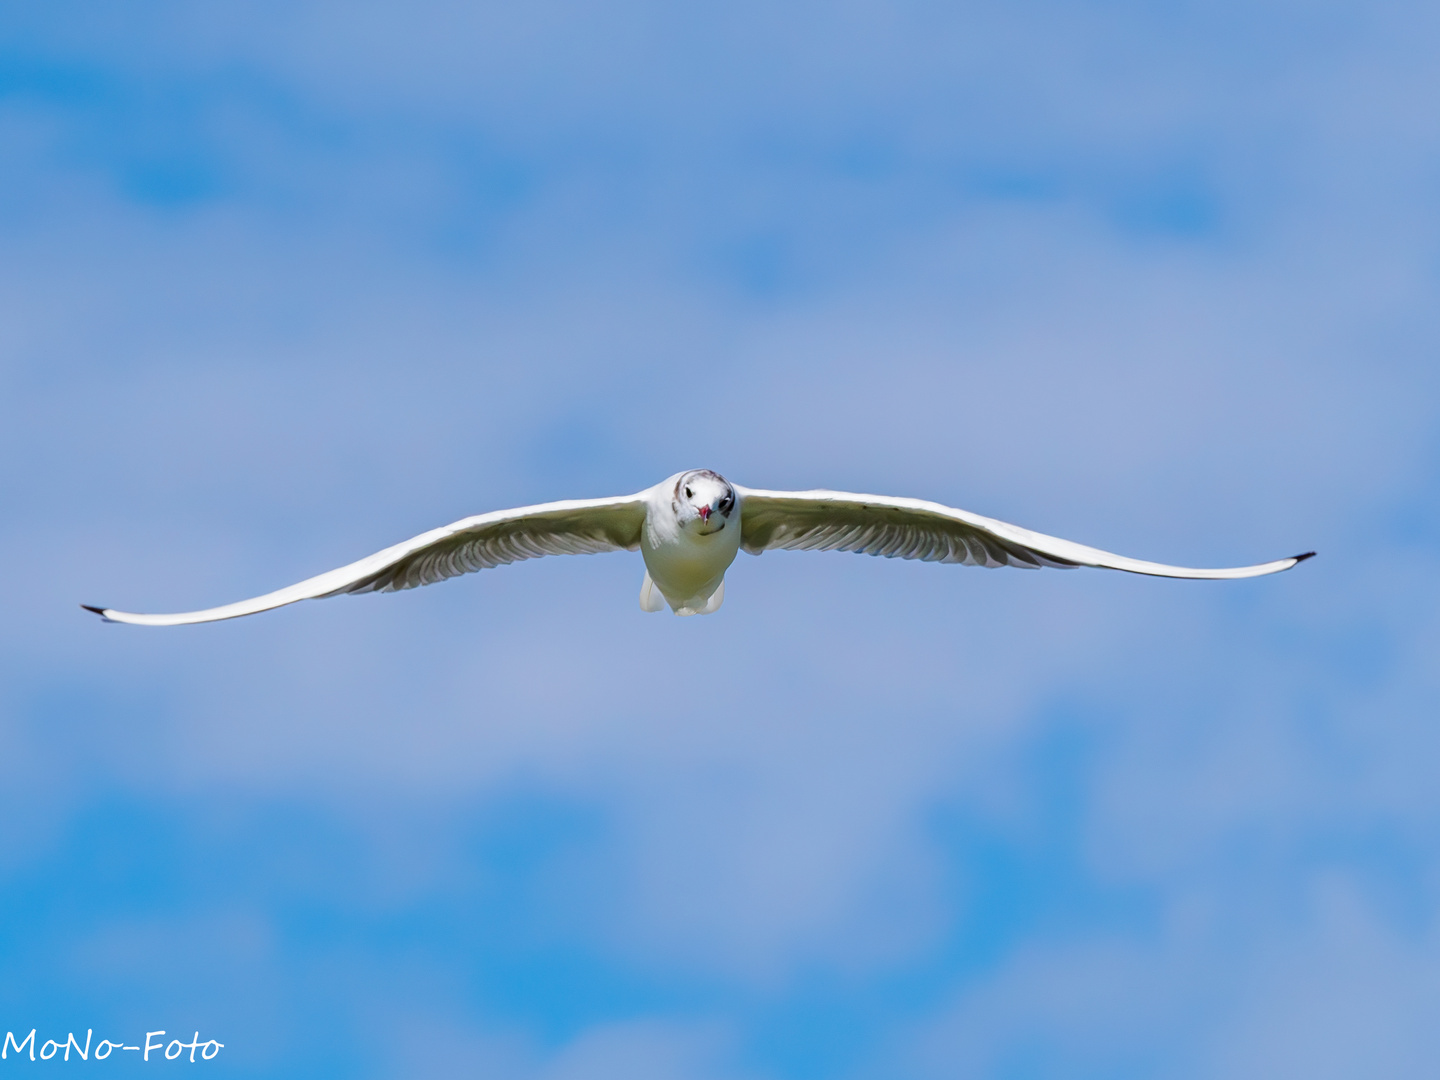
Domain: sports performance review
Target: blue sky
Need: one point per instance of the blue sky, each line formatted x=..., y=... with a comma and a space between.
x=281, y=284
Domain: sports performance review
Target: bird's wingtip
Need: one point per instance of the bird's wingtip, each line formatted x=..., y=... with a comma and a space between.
x=1302, y=558
x=98, y=611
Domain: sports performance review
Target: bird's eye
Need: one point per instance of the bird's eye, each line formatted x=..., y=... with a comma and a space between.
x=689, y=494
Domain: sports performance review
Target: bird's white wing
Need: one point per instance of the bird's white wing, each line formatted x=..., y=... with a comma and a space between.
x=575, y=527
x=915, y=529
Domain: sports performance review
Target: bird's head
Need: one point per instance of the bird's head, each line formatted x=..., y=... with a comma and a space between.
x=704, y=502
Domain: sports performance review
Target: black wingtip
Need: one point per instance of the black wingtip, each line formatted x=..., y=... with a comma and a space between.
x=98, y=610
x=1298, y=558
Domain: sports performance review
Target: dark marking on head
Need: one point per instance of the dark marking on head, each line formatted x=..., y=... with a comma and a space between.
x=687, y=478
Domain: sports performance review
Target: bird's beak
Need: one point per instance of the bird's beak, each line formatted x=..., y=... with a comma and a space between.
x=705, y=514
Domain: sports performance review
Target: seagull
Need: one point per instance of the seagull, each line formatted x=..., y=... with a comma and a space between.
x=689, y=529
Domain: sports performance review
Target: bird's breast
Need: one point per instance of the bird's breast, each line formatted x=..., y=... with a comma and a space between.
x=681, y=562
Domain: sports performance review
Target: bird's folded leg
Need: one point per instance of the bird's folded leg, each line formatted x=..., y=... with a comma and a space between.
x=716, y=599
x=651, y=598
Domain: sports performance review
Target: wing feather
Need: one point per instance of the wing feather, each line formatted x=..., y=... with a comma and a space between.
x=573, y=527
x=915, y=529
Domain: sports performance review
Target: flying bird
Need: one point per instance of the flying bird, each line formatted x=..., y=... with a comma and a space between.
x=689, y=529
